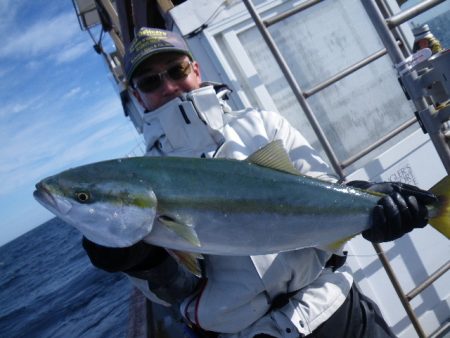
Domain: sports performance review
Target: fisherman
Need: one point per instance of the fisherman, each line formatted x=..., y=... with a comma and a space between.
x=306, y=292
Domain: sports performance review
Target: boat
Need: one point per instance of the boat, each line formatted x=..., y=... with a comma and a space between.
x=346, y=75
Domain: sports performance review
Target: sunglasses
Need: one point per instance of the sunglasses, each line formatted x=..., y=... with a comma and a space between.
x=151, y=82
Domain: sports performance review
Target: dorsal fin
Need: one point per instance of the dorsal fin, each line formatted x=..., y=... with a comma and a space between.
x=274, y=156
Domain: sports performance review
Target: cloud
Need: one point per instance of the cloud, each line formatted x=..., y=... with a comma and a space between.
x=53, y=115
x=72, y=92
x=9, y=109
x=5, y=71
x=72, y=52
x=110, y=142
x=18, y=107
x=54, y=143
x=42, y=37
x=98, y=115
x=5, y=5
x=7, y=12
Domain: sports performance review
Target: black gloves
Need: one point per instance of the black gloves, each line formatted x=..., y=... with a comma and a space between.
x=401, y=210
x=140, y=256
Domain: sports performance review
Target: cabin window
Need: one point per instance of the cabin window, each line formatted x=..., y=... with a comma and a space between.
x=318, y=43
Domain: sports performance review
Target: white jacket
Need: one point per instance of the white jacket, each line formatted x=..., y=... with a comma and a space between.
x=237, y=296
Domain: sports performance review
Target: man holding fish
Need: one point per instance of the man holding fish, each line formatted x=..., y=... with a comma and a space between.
x=294, y=293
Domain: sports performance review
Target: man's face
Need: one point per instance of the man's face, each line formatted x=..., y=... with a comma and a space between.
x=163, y=77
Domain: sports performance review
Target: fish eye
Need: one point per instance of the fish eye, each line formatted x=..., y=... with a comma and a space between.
x=82, y=197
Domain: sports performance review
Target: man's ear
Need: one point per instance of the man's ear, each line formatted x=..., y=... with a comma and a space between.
x=196, y=68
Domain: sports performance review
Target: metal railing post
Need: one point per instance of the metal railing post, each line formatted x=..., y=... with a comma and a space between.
x=296, y=89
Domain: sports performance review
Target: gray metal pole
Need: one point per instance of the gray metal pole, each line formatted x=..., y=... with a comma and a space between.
x=383, y=31
x=344, y=73
x=301, y=7
x=412, y=12
x=295, y=88
x=438, y=273
x=398, y=289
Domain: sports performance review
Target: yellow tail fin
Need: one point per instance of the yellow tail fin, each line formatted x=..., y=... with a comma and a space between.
x=441, y=220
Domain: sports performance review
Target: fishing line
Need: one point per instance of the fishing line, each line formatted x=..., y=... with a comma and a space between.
x=365, y=255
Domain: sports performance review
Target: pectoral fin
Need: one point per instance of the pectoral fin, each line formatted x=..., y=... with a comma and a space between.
x=183, y=230
x=189, y=260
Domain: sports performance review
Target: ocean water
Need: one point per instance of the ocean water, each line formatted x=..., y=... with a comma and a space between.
x=48, y=288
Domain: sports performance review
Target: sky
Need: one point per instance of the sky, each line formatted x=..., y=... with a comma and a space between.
x=58, y=107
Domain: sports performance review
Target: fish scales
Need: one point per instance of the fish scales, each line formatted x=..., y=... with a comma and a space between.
x=239, y=208
x=216, y=206
x=233, y=207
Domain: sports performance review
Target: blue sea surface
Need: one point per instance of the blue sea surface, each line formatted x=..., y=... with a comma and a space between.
x=48, y=288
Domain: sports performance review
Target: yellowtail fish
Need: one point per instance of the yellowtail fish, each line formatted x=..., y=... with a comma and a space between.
x=214, y=206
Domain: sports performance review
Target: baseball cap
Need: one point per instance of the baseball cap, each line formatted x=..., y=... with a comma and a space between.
x=151, y=41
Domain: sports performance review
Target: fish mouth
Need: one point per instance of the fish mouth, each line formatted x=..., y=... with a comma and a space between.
x=43, y=195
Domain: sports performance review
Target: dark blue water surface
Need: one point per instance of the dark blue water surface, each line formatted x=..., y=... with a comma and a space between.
x=48, y=288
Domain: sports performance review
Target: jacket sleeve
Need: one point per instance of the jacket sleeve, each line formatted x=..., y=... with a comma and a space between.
x=304, y=311
x=167, y=283
x=254, y=286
